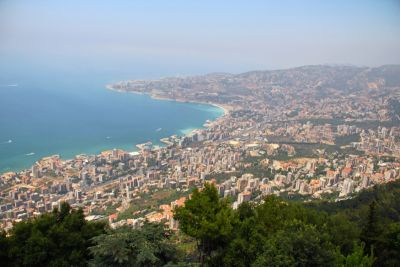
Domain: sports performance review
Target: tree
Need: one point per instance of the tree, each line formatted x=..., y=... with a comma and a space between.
x=208, y=219
x=60, y=238
x=343, y=232
x=280, y=233
x=297, y=244
x=4, y=250
x=358, y=258
x=371, y=232
x=388, y=247
x=125, y=246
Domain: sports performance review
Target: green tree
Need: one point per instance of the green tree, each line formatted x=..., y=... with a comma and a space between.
x=208, y=219
x=371, y=232
x=125, y=246
x=343, y=232
x=278, y=233
x=358, y=258
x=5, y=250
x=60, y=238
x=388, y=247
x=297, y=244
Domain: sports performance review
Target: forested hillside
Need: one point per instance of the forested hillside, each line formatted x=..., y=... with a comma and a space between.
x=363, y=231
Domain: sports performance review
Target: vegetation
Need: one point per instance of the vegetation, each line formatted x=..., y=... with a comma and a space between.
x=377, y=213
x=60, y=238
x=223, y=176
x=363, y=231
x=125, y=246
x=208, y=219
x=151, y=202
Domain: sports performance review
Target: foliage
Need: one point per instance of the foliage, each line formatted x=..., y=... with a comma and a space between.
x=223, y=176
x=277, y=233
x=60, y=238
x=125, y=246
x=208, y=219
x=358, y=258
x=4, y=250
x=377, y=212
x=364, y=231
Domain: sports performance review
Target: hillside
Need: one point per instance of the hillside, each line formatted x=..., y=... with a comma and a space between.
x=355, y=232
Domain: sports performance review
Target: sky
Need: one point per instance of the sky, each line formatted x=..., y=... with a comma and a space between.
x=201, y=36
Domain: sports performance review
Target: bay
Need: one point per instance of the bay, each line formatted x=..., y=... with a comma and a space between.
x=45, y=111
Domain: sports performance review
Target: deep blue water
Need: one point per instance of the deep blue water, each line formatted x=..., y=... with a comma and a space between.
x=49, y=111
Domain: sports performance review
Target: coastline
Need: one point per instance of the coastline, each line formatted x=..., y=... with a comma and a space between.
x=161, y=143
x=226, y=108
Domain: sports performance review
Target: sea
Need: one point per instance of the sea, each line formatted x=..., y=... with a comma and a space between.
x=47, y=110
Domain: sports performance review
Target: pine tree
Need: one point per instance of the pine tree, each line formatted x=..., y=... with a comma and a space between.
x=371, y=231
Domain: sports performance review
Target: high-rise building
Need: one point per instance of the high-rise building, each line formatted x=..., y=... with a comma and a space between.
x=35, y=171
x=348, y=186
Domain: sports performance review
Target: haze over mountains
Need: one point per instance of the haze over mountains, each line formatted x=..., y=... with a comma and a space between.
x=279, y=88
x=270, y=158
x=316, y=77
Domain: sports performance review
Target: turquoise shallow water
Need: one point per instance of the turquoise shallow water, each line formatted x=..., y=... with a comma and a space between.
x=51, y=112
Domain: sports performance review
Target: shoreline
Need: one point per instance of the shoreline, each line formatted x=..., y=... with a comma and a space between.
x=160, y=143
x=226, y=108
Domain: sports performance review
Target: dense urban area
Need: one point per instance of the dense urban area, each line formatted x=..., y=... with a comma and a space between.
x=313, y=133
x=309, y=132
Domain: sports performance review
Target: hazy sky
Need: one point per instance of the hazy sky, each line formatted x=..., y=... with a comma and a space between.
x=216, y=35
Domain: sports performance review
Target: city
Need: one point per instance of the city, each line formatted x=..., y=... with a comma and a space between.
x=271, y=140
x=200, y=133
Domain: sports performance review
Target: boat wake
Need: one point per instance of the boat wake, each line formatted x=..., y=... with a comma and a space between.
x=30, y=154
x=7, y=142
x=159, y=129
x=10, y=85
